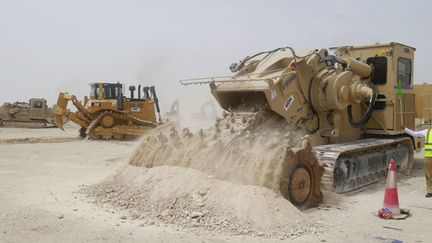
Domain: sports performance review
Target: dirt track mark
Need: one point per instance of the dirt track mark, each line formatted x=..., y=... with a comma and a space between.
x=38, y=140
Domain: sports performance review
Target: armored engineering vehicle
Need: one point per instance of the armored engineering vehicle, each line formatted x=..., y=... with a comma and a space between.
x=351, y=100
x=34, y=114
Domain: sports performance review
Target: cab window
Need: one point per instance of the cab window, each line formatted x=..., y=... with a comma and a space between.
x=94, y=92
x=112, y=91
x=37, y=105
x=379, y=70
x=107, y=92
x=404, y=71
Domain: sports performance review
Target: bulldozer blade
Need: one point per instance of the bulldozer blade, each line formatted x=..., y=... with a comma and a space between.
x=59, y=121
x=60, y=109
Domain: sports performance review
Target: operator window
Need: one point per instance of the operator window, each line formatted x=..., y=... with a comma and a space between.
x=116, y=92
x=94, y=93
x=404, y=71
x=110, y=92
x=37, y=105
x=379, y=71
x=107, y=92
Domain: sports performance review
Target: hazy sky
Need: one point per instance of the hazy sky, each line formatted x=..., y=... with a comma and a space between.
x=50, y=45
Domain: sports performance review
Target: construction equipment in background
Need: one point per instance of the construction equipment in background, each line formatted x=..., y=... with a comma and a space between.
x=350, y=100
x=207, y=112
x=174, y=113
x=423, y=102
x=108, y=114
x=34, y=114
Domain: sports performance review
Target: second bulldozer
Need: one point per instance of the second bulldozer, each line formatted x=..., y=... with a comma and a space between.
x=108, y=114
x=34, y=114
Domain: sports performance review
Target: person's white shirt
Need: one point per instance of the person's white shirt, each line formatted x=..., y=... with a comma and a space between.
x=421, y=133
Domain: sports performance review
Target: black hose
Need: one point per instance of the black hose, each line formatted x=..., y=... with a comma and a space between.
x=242, y=63
x=368, y=113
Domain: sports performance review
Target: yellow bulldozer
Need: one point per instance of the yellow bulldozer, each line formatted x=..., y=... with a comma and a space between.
x=108, y=114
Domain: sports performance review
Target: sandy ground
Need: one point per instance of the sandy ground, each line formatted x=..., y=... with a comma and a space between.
x=38, y=135
x=40, y=200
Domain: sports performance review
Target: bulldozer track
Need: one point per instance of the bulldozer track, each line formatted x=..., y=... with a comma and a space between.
x=137, y=122
x=353, y=165
x=367, y=159
x=92, y=126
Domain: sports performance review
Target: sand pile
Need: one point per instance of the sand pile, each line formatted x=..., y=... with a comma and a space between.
x=227, y=177
x=191, y=199
x=229, y=151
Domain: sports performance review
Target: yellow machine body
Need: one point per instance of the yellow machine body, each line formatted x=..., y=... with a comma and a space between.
x=107, y=113
x=351, y=101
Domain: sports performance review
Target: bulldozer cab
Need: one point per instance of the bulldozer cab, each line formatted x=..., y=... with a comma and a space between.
x=392, y=75
x=107, y=91
x=37, y=108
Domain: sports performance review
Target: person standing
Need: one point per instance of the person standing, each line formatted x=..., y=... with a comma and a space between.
x=427, y=134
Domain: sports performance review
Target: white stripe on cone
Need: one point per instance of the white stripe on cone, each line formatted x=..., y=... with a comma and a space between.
x=391, y=179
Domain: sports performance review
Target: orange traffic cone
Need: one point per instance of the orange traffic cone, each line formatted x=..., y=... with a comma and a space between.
x=391, y=200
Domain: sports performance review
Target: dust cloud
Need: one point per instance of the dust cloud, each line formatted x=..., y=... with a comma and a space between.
x=226, y=151
x=227, y=177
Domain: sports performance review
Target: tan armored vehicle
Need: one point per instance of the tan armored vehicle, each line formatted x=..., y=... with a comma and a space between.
x=108, y=114
x=33, y=114
x=350, y=100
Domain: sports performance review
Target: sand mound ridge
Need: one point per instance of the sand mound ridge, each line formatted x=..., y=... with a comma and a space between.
x=229, y=151
x=191, y=199
x=227, y=177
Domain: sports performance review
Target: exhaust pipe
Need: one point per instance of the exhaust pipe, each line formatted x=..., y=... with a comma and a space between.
x=156, y=101
x=146, y=93
x=132, y=90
